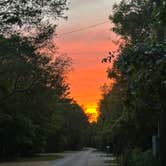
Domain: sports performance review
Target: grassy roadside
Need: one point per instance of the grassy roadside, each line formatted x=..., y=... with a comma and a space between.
x=112, y=160
x=39, y=157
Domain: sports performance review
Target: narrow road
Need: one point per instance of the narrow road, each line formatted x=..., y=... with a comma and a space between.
x=87, y=157
x=75, y=159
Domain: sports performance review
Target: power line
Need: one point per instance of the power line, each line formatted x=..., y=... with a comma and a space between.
x=82, y=29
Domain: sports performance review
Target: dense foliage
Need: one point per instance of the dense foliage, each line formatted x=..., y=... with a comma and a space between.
x=30, y=15
x=132, y=109
x=34, y=110
x=36, y=114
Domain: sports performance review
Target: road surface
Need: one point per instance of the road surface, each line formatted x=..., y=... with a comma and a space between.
x=87, y=157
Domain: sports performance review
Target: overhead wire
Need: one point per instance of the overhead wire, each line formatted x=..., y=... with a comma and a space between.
x=82, y=29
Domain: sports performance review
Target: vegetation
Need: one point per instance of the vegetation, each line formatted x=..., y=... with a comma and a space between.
x=132, y=109
x=139, y=158
x=36, y=114
x=37, y=15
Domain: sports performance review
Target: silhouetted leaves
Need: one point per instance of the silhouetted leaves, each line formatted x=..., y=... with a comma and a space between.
x=130, y=112
x=35, y=113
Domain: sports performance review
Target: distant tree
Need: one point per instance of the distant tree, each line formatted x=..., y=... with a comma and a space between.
x=73, y=130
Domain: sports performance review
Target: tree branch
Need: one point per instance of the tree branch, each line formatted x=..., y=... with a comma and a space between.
x=15, y=90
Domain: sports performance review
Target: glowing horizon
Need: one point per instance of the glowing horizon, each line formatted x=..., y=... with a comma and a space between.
x=87, y=48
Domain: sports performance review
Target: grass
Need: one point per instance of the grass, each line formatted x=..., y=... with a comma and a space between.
x=48, y=157
x=114, y=162
x=41, y=158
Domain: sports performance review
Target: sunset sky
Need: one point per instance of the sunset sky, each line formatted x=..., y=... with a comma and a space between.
x=87, y=48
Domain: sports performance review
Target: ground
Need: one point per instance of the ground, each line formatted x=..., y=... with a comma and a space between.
x=86, y=157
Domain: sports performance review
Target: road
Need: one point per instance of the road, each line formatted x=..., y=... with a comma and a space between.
x=74, y=159
x=87, y=157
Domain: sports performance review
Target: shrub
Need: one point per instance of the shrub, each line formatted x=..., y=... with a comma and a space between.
x=139, y=158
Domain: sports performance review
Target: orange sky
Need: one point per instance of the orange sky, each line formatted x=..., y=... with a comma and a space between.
x=87, y=48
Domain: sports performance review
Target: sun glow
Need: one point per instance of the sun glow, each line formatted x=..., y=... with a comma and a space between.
x=92, y=113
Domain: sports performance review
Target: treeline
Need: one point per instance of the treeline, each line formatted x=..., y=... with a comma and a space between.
x=134, y=109
x=35, y=113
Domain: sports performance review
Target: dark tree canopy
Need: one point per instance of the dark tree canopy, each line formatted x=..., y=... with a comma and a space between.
x=134, y=109
x=31, y=15
x=35, y=112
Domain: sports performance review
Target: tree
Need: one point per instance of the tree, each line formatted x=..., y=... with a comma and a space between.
x=32, y=83
x=74, y=125
x=35, y=112
x=140, y=74
x=33, y=15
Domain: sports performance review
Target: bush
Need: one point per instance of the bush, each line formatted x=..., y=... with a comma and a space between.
x=139, y=158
